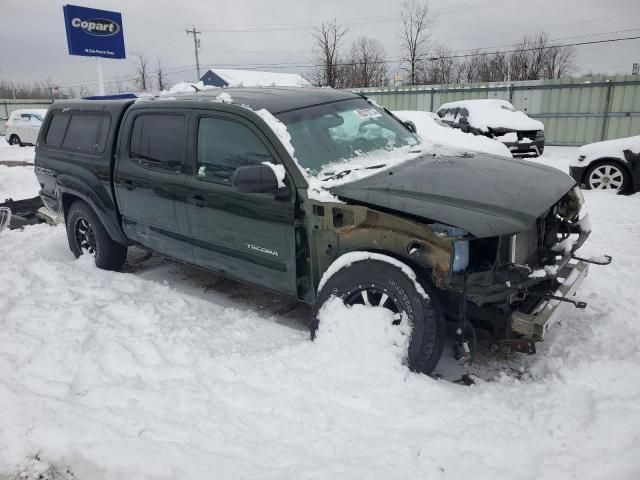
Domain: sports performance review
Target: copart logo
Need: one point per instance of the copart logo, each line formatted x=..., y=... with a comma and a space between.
x=100, y=27
x=251, y=246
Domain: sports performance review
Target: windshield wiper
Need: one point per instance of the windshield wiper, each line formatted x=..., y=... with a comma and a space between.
x=347, y=171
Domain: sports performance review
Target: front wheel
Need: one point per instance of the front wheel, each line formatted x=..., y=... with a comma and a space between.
x=381, y=281
x=607, y=176
x=87, y=235
x=14, y=140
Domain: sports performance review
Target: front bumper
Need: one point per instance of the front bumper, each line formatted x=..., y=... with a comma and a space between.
x=535, y=325
x=527, y=148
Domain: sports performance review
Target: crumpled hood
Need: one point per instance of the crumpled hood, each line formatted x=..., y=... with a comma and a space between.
x=484, y=194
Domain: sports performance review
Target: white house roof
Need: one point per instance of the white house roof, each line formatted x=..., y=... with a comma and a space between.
x=252, y=78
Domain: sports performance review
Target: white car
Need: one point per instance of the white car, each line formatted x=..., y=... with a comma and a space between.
x=609, y=165
x=23, y=126
x=430, y=128
x=497, y=119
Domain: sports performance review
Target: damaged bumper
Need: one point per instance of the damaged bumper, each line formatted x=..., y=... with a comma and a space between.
x=536, y=325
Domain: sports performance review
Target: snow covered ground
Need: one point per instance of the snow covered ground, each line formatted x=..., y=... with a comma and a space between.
x=16, y=181
x=167, y=372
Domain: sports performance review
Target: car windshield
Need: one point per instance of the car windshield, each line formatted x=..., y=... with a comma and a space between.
x=326, y=138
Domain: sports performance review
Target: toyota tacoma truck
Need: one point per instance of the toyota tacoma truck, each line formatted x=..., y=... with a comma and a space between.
x=317, y=193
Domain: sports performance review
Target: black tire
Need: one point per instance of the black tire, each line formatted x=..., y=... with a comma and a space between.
x=621, y=176
x=377, y=277
x=86, y=234
x=14, y=140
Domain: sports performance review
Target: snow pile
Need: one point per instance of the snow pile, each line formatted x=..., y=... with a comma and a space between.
x=224, y=97
x=493, y=113
x=17, y=181
x=606, y=149
x=252, y=78
x=186, y=87
x=160, y=373
x=431, y=128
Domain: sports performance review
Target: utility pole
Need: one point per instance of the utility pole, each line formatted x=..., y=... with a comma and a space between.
x=196, y=46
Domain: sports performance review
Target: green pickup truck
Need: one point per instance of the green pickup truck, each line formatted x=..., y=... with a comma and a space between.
x=314, y=193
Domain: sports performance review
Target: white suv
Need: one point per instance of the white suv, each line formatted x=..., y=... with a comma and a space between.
x=23, y=126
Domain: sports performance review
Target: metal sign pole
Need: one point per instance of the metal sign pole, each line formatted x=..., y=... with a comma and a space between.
x=100, y=77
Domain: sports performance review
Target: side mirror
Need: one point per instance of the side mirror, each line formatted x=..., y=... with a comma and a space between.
x=255, y=179
x=411, y=126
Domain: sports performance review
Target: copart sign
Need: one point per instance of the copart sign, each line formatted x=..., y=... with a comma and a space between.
x=94, y=33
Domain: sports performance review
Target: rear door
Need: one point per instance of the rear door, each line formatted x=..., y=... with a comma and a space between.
x=248, y=236
x=150, y=160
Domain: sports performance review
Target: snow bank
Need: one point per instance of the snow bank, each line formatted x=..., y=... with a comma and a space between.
x=493, y=113
x=606, y=149
x=253, y=78
x=431, y=129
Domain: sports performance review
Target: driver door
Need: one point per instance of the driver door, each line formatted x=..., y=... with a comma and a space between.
x=248, y=236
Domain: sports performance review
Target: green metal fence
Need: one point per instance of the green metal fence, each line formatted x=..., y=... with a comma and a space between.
x=575, y=111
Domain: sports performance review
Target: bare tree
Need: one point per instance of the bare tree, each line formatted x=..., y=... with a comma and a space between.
x=441, y=68
x=141, y=74
x=366, y=64
x=328, y=39
x=416, y=23
x=560, y=62
x=536, y=58
x=160, y=74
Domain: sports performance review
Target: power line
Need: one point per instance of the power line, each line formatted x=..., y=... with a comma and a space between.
x=185, y=68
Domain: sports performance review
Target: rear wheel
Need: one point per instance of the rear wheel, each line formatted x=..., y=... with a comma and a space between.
x=14, y=140
x=607, y=176
x=87, y=235
x=379, y=283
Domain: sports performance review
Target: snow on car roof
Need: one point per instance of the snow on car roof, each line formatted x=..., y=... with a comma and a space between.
x=494, y=113
x=251, y=78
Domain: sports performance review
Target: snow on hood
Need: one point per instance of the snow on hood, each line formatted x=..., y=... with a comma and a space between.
x=431, y=128
x=493, y=113
x=608, y=148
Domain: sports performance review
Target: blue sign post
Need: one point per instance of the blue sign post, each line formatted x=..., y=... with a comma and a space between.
x=94, y=33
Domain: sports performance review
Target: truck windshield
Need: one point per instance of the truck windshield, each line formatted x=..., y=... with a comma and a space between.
x=326, y=138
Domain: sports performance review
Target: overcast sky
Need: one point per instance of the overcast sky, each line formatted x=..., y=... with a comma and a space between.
x=253, y=32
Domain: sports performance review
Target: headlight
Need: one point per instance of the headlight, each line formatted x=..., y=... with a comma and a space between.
x=540, y=134
x=460, y=256
x=460, y=247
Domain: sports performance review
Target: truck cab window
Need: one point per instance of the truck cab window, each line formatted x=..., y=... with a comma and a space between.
x=87, y=132
x=158, y=141
x=57, y=129
x=225, y=145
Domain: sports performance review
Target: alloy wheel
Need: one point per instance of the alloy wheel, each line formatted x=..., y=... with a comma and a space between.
x=372, y=296
x=85, y=236
x=606, y=177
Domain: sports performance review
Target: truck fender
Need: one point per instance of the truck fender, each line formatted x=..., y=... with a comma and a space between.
x=69, y=188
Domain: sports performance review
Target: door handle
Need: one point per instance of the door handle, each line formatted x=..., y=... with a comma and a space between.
x=198, y=201
x=129, y=185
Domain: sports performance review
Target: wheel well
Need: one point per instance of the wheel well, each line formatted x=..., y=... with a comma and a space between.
x=67, y=201
x=602, y=161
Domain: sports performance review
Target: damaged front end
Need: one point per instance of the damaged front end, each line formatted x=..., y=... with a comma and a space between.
x=535, y=271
